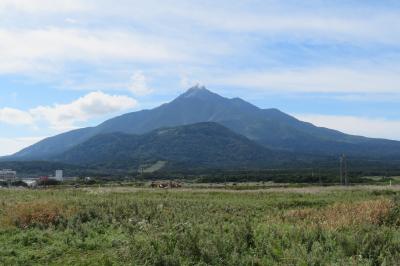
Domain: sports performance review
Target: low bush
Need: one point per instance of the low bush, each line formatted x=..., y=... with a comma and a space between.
x=41, y=214
x=344, y=214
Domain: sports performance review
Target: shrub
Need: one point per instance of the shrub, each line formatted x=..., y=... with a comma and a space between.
x=41, y=214
x=344, y=214
x=393, y=217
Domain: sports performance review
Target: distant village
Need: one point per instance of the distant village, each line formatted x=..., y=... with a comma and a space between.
x=9, y=178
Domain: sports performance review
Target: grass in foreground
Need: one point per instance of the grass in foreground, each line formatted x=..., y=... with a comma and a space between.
x=86, y=227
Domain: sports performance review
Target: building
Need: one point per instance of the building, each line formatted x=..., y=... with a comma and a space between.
x=8, y=174
x=59, y=175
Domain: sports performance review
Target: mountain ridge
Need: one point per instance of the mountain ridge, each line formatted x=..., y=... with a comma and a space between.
x=271, y=128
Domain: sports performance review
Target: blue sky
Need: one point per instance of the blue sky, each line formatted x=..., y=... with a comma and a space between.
x=67, y=64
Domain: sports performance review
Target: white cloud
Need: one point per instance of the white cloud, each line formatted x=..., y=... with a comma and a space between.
x=186, y=82
x=276, y=19
x=12, y=145
x=357, y=28
x=272, y=18
x=138, y=84
x=362, y=97
x=176, y=30
x=172, y=24
x=63, y=117
x=363, y=126
x=322, y=80
x=71, y=21
x=15, y=117
x=42, y=50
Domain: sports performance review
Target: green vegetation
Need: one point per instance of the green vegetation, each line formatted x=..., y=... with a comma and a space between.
x=132, y=226
x=201, y=145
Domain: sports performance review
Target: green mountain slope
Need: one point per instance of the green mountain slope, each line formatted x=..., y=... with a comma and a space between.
x=202, y=145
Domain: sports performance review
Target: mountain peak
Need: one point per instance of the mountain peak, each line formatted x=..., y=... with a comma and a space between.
x=197, y=92
x=198, y=87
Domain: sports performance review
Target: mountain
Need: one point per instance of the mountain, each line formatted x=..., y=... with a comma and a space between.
x=202, y=145
x=269, y=127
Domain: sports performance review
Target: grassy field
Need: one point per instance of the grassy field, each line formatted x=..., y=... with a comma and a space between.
x=132, y=226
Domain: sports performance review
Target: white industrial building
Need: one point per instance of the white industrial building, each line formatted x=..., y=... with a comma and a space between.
x=59, y=175
x=8, y=174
